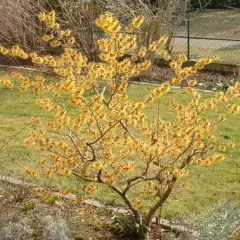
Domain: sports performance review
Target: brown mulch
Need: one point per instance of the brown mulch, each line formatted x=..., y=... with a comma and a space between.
x=206, y=80
x=14, y=202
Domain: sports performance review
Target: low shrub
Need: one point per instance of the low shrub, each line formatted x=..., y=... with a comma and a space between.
x=55, y=228
x=220, y=223
x=17, y=231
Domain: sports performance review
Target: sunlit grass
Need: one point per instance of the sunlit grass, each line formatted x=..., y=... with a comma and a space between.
x=223, y=54
x=207, y=185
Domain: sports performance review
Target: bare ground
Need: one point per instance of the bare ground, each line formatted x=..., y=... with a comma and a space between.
x=18, y=203
x=24, y=216
x=206, y=80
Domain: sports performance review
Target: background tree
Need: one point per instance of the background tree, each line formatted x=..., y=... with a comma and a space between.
x=18, y=23
x=162, y=18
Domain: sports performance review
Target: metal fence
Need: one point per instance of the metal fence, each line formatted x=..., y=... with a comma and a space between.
x=210, y=34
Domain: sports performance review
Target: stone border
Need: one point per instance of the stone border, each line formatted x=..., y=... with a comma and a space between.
x=20, y=67
x=69, y=196
x=174, y=87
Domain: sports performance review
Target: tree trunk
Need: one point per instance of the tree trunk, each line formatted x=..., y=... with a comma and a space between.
x=143, y=233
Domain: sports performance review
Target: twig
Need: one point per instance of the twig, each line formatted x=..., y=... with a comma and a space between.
x=14, y=136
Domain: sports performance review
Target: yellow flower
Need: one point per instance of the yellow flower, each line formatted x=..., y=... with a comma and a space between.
x=6, y=83
x=218, y=158
x=153, y=47
x=136, y=23
x=3, y=50
x=55, y=43
x=142, y=52
x=42, y=16
x=31, y=173
x=36, y=121
x=233, y=109
x=47, y=37
x=67, y=33
x=108, y=23
x=71, y=41
x=164, y=54
x=163, y=40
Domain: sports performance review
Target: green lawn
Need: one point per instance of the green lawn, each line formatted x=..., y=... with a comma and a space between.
x=213, y=24
x=208, y=186
x=223, y=54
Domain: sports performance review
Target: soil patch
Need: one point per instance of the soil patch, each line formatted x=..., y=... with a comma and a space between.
x=18, y=204
x=206, y=80
x=23, y=213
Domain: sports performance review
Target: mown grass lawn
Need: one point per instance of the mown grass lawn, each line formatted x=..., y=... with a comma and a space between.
x=203, y=188
x=205, y=24
x=224, y=54
x=215, y=24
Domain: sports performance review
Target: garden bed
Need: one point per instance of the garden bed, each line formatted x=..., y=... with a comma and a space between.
x=206, y=80
x=25, y=215
x=21, y=211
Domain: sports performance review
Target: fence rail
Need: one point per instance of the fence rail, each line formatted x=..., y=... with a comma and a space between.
x=209, y=38
x=210, y=34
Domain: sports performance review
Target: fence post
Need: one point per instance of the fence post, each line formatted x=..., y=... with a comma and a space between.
x=188, y=29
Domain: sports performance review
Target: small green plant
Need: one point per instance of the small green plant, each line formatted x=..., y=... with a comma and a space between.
x=29, y=206
x=51, y=200
x=17, y=230
x=56, y=228
x=124, y=226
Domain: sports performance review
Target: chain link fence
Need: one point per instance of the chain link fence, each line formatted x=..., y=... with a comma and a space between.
x=211, y=34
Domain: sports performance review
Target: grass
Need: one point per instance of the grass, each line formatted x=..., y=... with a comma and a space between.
x=215, y=24
x=208, y=186
x=212, y=24
x=224, y=54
